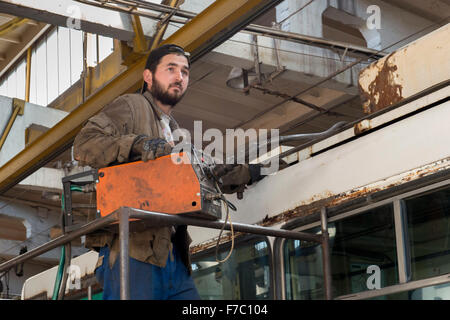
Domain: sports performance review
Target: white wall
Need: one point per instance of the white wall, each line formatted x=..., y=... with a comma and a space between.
x=15, y=142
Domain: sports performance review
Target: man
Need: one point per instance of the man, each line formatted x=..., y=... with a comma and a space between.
x=137, y=126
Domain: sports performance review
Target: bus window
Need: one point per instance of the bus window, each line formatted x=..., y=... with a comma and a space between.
x=362, y=252
x=245, y=275
x=428, y=218
x=435, y=292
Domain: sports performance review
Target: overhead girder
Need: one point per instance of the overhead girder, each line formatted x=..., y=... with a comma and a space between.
x=209, y=29
x=73, y=14
x=116, y=21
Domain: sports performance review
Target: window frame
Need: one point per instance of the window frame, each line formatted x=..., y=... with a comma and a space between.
x=242, y=241
x=403, y=255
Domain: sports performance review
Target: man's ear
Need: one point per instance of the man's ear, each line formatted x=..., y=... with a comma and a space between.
x=147, y=76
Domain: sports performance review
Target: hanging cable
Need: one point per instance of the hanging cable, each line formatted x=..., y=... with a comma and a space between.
x=227, y=218
x=59, y=274
x=66, y=256
x=334, y=74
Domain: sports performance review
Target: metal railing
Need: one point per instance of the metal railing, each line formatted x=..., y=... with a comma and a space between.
x=121, y=219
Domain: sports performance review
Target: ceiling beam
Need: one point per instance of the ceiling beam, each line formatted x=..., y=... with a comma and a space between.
x=433, y=10
x=73, y=14
x=10, y=39
x=16, y=50
x=209, y=29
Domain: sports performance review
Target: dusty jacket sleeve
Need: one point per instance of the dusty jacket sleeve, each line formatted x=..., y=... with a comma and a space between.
x=107, y=137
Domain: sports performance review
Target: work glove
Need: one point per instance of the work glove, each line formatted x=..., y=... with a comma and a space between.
x=233, y=178
x=150, y=148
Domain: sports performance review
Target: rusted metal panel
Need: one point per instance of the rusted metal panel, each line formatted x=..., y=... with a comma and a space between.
x=407, y=71
x=315, y=204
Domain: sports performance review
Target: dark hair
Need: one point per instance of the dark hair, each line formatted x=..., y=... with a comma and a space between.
x=152, y=66
x=154, y=58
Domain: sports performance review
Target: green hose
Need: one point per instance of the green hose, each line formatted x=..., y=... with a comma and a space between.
x=59, y=275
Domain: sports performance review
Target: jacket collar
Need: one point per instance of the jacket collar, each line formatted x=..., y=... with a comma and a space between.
x=158, y=112
x=155, y=108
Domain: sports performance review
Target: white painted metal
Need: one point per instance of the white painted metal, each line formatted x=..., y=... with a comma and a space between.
x=44, y=282
x=389, y=156
x=414, y=68
x=400, y=243
x=15, y=142
x=405, y=287
x=73, y=14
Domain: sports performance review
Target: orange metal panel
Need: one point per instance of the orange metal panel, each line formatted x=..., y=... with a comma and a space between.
x=156, y=185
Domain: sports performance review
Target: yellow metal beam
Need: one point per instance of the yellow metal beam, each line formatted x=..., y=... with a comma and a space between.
x=162, y=24
x=11, y=25
x=209, y=29
x=18, y=107
x=28, y=74
x=140, y=43
x=60, y=136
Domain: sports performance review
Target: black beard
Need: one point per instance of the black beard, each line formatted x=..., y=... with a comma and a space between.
x=164, y=96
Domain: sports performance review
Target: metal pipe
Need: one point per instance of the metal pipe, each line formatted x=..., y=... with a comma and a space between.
x=317, y=135
x=8, y=126
x=169, y=219
x=84, y=72
x=9, y=26
x=326, y=255
x=28, y=76
x=252, y=28
x=67, y=262
x=334, y=74
x=162, y=24
x=350, y=125
x=89, y=292
x=313, y=41
x=61, y=240
x=197, y=37
x=124, y=214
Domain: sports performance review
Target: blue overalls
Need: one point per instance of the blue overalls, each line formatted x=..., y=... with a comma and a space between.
x=147, y=281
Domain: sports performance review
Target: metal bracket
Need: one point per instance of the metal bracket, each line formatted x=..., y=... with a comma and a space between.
x=139, y=42
x=256, y=59
x=276, y=46
x=19, y=105
x=84, y=178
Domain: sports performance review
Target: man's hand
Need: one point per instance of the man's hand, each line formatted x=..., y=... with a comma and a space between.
x=233, y=178
x=150, y=148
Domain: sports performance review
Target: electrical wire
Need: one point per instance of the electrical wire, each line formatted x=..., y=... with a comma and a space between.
x=67, y=262
x=66, y=254
x=227, y=218
x=227, y=204
x=285, y=50
x=59, y=274
x=334, y=74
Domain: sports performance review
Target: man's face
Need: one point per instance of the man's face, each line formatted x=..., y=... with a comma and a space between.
x=170, y=80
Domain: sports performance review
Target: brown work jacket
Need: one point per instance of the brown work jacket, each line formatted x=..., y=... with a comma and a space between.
x=105, y=140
